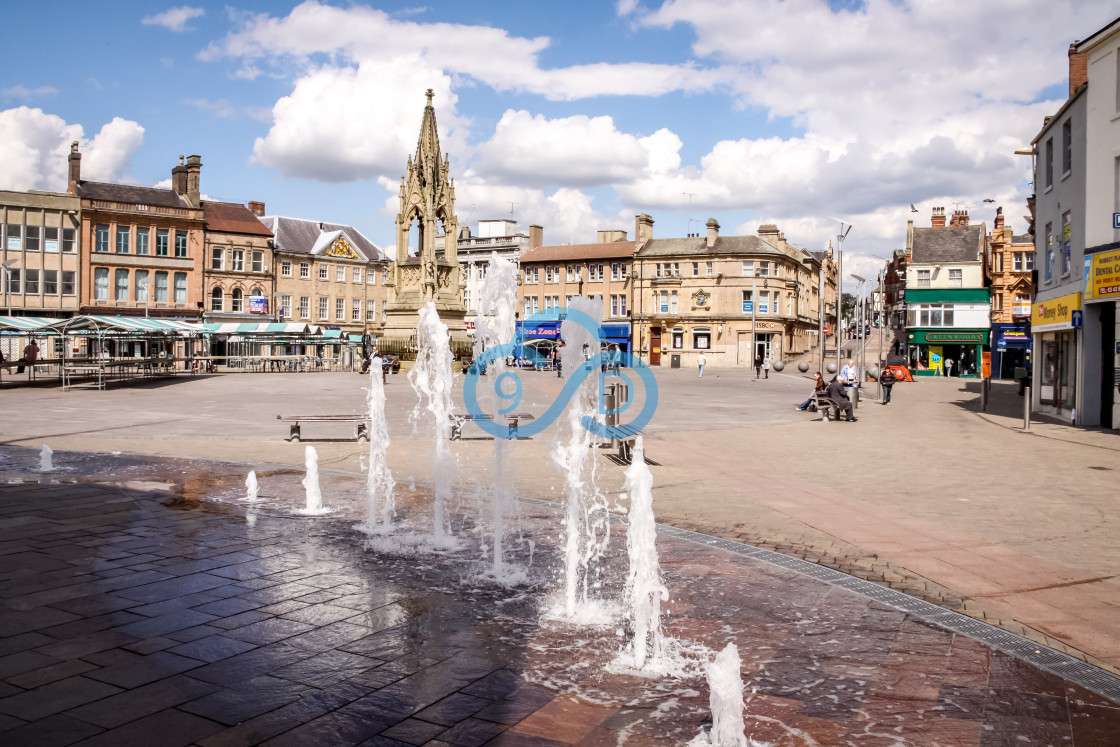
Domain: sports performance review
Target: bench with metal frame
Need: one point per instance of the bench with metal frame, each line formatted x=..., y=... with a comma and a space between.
x=512, y=422
x=361, y=430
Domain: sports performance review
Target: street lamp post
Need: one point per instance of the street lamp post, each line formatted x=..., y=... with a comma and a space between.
x=861, y=306
x=843, y=234
x=882, y=323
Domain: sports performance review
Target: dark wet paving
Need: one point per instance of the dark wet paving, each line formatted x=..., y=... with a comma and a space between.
x=136, y=615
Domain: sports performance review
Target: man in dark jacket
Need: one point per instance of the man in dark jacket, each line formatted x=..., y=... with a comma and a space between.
x=839, y=397
x=888, y=379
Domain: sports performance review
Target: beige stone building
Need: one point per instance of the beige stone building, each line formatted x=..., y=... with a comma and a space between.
x=40, y=253
x=329, y=275
x=728, y=297
x=238, y=276
x=552, y=275
x=1010, y=263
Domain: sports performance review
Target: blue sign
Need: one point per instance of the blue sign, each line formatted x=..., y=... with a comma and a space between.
x=1116, y=220
x=748, y=307
x=1075, y=319
x=258, y=305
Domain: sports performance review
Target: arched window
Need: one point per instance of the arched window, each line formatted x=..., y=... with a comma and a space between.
x=216, y=299
x=237, y=300
x=256, y=292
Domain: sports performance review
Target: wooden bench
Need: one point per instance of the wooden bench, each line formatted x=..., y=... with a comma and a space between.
x=512, y=421
x=361, y=430
x=825, y=405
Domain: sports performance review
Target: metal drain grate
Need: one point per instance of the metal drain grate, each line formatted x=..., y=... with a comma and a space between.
x=1065, y=666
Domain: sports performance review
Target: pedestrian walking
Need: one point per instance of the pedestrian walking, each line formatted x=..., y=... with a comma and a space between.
x=701, y=361
x=887, y=379
x=766, y=367
x=556, y=359
x=948, y=366
x=757, y=366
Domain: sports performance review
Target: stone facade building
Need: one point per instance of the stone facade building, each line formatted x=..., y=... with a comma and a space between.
x=552, y=275
x=238, y=276
x=1010, y=265
x=474, y=252
x=40, y=253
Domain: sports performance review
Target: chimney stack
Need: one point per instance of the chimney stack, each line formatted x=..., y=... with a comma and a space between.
x=257, y=209
x=999, y=219
x=609, y=236
x=194, y=174
x=960, y=218
x=1078, y=69
x=179, y=179
x=938, y=219
x=75, y=163
x=643, y=228
x=536, y=236
x=713, y=232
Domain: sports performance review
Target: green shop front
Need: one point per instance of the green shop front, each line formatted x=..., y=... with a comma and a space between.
x=947, y=330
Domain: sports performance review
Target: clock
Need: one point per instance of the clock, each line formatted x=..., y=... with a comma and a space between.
x=701, y=299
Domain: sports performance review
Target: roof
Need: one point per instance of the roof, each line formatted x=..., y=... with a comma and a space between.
x=132, y=194
x=1092, y=40
x=24, y=323
x=1023, y=238
x=698, y=245
x=565, y=252
x=300, y=236
x=938, y=244
x=232, y=217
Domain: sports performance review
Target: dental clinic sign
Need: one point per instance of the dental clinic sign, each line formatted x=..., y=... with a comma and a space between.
x=1102, y=275
x=1055, y=313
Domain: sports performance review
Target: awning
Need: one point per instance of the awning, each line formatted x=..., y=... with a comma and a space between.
x=24, y=323
x=332, y=333
x=258, y=328
x=615, y=333
x=125, y=324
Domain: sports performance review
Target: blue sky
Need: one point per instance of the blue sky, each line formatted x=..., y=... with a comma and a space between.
x=581, y=113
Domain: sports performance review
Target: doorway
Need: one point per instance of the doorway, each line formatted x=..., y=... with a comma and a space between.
x=762, y=346
x=655, y=346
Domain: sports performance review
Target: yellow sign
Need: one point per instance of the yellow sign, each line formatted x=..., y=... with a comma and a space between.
x=1102, y=275
x=1055, y=311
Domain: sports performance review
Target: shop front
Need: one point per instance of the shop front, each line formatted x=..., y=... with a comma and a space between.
x=1055, y=328
x=1011, y=349
x=945, y=352
x=1102, y=311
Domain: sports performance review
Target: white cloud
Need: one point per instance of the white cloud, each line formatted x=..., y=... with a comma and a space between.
x=34, y=147
x=20, y=91
x=224, y=109
x=174, y=19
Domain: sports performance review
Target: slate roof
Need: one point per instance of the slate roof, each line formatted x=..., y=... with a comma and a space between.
x=1023, y=238
x=131, y=194
x=232, y=217
x=698, y=245
x=936, y=245
x=299, y=236
x=579, y=252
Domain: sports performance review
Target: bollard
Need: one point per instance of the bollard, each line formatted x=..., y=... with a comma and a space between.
x=983, y=395
x=1027, y=407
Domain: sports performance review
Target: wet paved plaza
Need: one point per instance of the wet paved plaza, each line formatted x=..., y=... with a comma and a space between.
x=141, y=603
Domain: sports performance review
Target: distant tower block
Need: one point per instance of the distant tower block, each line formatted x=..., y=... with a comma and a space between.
x=428, y=199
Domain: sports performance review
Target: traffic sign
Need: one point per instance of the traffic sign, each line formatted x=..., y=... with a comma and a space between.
x=1075, y=319
x=1116, y=220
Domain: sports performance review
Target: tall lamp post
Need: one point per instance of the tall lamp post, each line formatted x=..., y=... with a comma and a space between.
x=843, y=234
x=861, y=306
x=882, y=325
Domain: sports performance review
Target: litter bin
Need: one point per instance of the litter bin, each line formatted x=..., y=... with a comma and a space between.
x=674, y=361
x=853, y=395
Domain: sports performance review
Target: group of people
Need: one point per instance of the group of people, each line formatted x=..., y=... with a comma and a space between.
x=836, y=390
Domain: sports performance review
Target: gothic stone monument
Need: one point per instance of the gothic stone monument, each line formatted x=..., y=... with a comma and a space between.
x=427, y=197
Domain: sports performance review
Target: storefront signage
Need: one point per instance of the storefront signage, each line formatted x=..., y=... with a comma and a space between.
x=1116, y=220
x=258, y=305
x=976, y=337
x=1055, y=312
x=1102, y=275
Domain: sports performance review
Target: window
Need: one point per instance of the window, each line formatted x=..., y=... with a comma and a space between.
x=385, y=276
x=677, y=338
x=748, y=304
x=763, y=269
x=571, y=275
x=216, y=299
x=14, y=234
x=535, y=307
x=1067, y=146
x=238, y=260
x=371, y=310
x=258, y=261
x=356, y=275
x=695, y=269
x=528, y=306
x=997, y=302
x=614, y=270
x=999, y=262
x=709, y=269
x=304, y=270
x=658, y=270
x=1050, y=162
x=180, y=287
x=384, y=310
x=532, y=274
x=1017, y=262
x=31, y=238
x=371, y=276
x=323, y=307
x=1065, y=242
x=956, y=278
x=614, y=305
x=701, y=338
x=340, y=274
x=1030, y=260
x=1049, y=250
x=930, y=315
x=161, y=287
x=181, y=244
x=120, y=284
x=673, y=302
x=123, y=235
x=324, y=271
x=622, y=271
x=548, y=275
x=340, y=309
x=140, y=282
x=67, y=282
x=304, y=307
x=548, y=299
x=664, y=304
x=237, y=300
x=622, y=305
x=923, y=278
x=764, y=302
x=31, y=282
x=161, y=242
x=356, y=310
x=286, y=268
x=100, y=284
x=68, y=237
x=143, y=236
x=217, y=258
x=748, y=268
x=100, y=239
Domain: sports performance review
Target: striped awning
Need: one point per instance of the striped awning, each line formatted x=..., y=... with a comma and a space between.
x=125, y=324
x=259, y=328
x=24, y=323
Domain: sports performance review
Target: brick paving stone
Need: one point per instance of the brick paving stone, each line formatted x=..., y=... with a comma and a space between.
x=248, y=698
x=251, y=663
x=150, y=645
x=149, y=669
x=55, y=697
x=169, y=728
x=267, y=725
x=167, y=623
x=23, y=661
x=333, y=728
x=52, y=673
x=139, y=702
x=413, y=731
x=53, y=731
x=212, y=648
x=472, y=732
x=269, y=631
x=74, y=648
x=327, y=668
x=26, y=641
x=240, y=620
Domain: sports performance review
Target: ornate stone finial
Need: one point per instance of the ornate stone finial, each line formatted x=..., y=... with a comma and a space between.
x=430, y=93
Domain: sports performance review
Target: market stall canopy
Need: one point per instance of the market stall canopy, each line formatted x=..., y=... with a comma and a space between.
x=260, y=328
x=22, y=324
x=124, y=325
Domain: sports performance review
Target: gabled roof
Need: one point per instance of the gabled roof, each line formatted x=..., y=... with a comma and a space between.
x=939, y=244
x=698, y=245
x=579, y=252
x=232, y=217
x=299, y=236
x=131, y=194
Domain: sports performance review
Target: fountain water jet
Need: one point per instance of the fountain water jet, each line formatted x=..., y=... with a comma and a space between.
x=45, y=464
x=311, y=485
x=725, y=685
x=379, y=478
x=251, y=487
x=431, y=380
x=495, y=326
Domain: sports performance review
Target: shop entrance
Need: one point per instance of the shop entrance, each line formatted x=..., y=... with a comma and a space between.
x=655, y=346
x=762, y=346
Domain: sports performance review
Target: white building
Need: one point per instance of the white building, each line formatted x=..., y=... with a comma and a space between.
x=474, y=252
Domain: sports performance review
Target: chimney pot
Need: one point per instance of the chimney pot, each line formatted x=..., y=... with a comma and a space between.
x=74, y=163
x=713, y=232
x=257, y=209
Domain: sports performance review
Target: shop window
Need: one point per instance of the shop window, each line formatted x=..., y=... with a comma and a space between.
x=701, y=338
x=677, y=337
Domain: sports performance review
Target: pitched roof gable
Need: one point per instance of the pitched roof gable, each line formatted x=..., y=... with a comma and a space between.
x=579, y=252
x=232, y=217
x=940, y=244
x=299, y=236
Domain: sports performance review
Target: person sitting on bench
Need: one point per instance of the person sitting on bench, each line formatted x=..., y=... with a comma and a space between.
x=819, y=387
x=839, y=397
